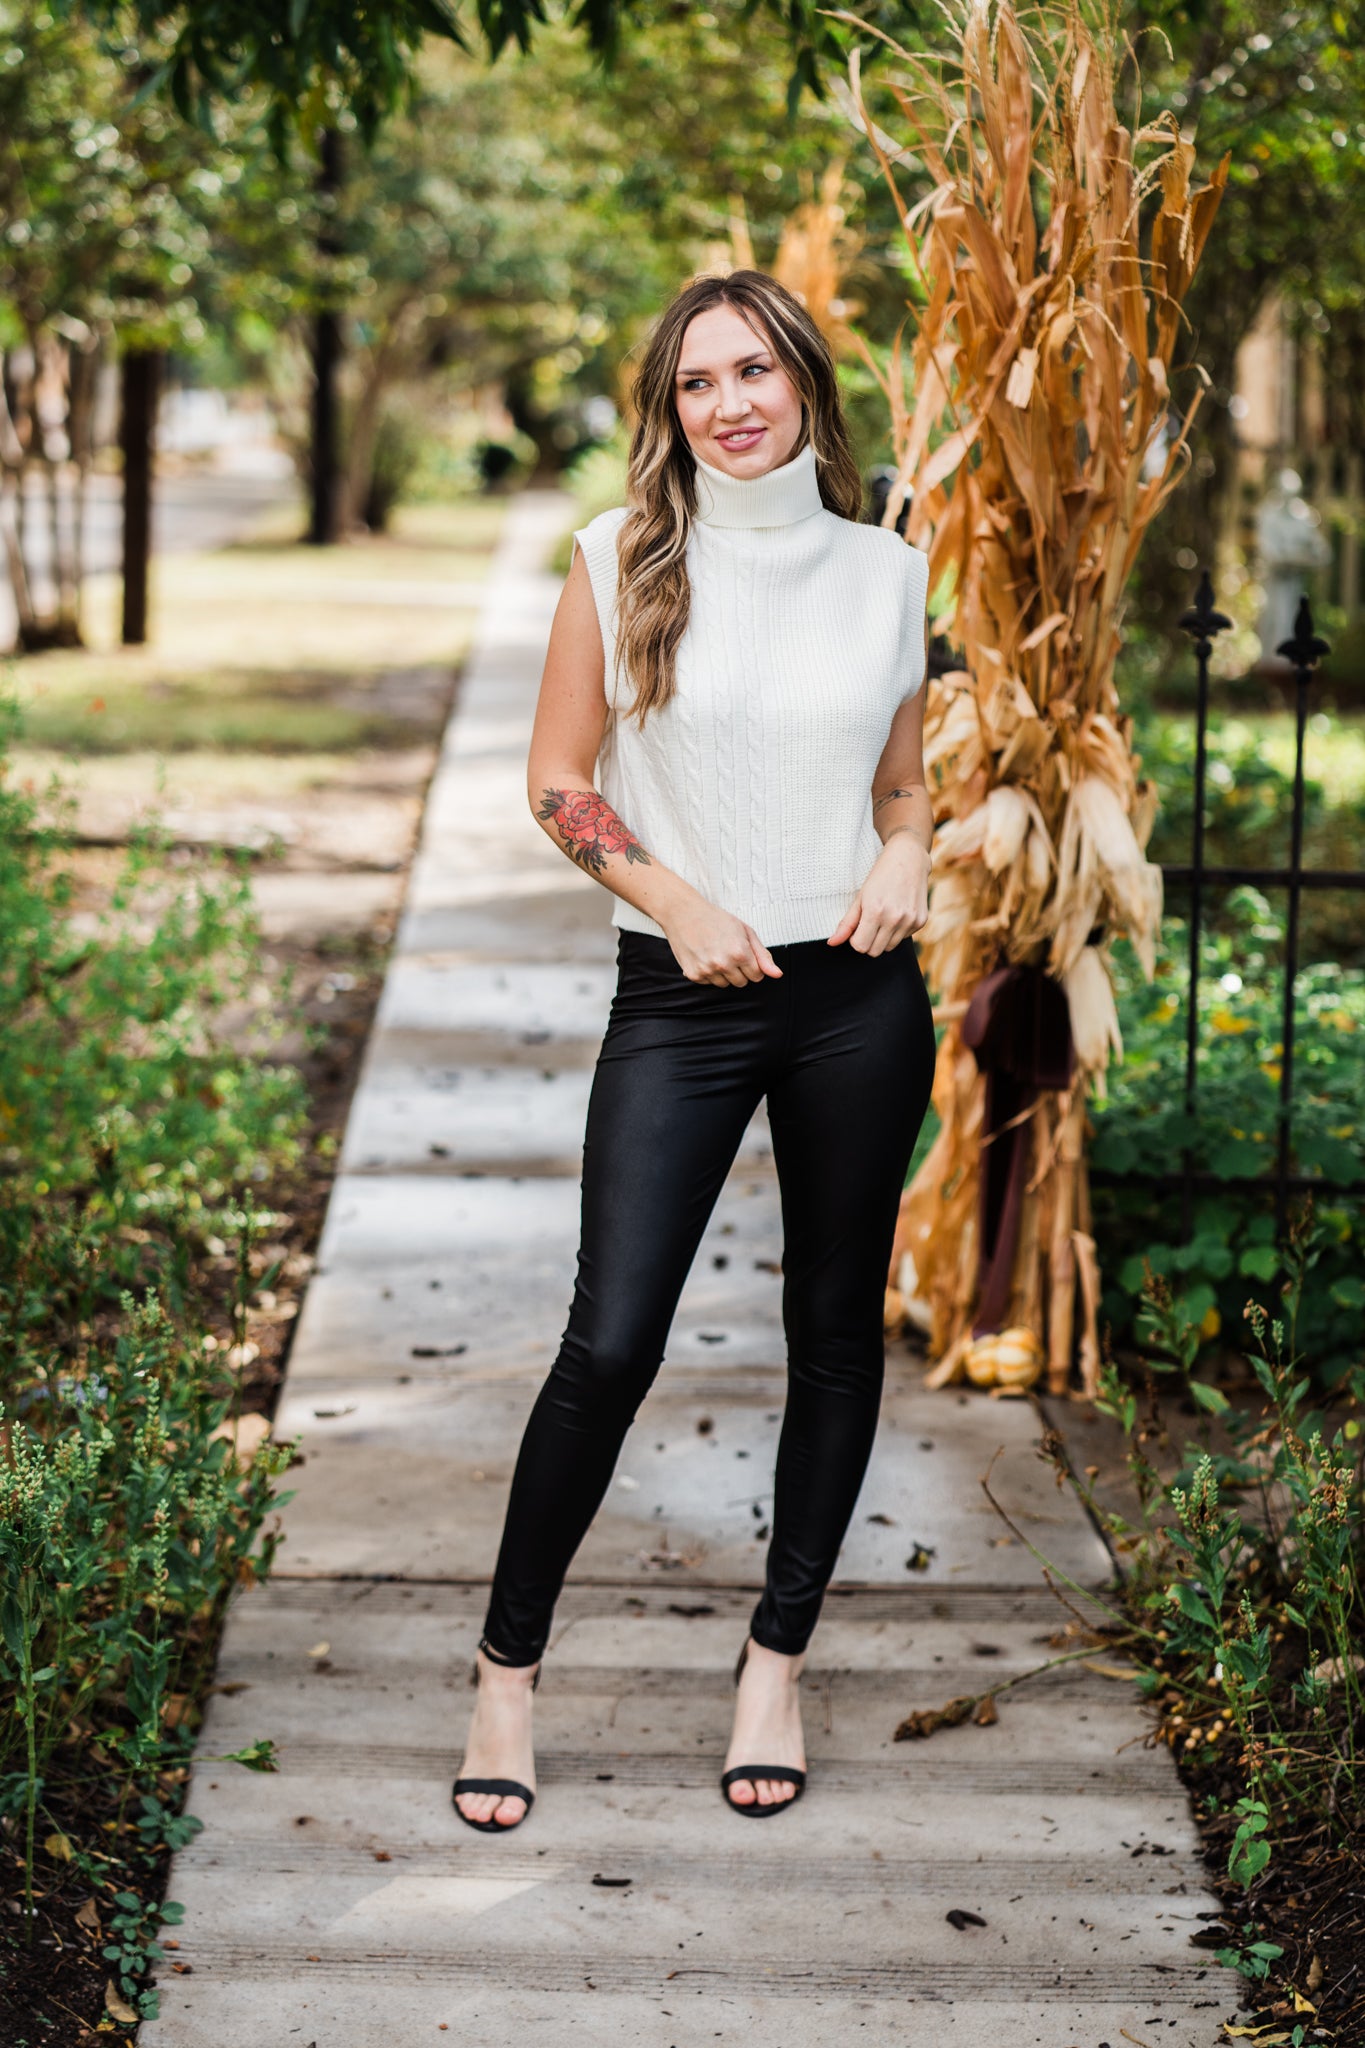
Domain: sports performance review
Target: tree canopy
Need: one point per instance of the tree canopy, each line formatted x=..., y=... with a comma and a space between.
x=309, y=56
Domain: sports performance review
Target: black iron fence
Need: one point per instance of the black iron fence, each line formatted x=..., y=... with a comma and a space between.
x=1303, y=651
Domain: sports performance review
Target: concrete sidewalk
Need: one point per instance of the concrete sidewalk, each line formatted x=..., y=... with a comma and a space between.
x=341, y=1904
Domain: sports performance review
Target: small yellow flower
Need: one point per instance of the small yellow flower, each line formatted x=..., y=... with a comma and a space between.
x=1211, y=1324
x=1222, y=1019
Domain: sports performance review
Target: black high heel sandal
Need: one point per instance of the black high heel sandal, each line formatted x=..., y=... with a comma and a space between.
x=508, y=1787
x=783, y=1773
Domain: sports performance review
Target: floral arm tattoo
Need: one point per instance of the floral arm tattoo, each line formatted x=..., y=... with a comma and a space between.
x=589, y=828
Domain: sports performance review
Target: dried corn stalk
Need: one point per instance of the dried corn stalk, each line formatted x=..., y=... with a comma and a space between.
x=815, y=252
x=1036, y=438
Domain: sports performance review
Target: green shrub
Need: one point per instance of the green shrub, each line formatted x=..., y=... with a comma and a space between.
x=598, y=482
x=128, y=1121
x=1243, y=1577
x=1248, y=803
x=1141, y=1128
x=137, y=1112
x=125, y=1526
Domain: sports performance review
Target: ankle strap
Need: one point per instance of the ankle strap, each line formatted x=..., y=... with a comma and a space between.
x=508, y=1663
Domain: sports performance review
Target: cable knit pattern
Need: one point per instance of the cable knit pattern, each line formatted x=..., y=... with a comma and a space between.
x=806, y=632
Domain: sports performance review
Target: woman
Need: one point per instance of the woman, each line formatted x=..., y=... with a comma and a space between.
x=740, y=662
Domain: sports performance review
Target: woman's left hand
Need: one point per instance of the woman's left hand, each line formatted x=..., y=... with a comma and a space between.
x=892, y=903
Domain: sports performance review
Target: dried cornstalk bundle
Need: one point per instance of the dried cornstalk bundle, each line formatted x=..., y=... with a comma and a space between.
x=816, y=250
x=1036, y=438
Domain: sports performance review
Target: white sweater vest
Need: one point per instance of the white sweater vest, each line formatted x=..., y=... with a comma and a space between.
x=754, y=782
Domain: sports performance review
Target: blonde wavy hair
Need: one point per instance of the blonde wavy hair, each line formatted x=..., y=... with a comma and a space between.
x=653, y=595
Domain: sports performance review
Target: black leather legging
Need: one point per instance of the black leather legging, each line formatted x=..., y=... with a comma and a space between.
x=843, y=1047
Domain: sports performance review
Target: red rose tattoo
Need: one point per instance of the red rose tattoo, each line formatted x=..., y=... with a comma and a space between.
x=589, y=828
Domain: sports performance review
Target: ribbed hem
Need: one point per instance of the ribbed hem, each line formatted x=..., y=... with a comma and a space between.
x=789, y=923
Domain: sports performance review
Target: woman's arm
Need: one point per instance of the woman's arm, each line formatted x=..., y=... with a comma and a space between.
x=894, y=900
x=571, y=718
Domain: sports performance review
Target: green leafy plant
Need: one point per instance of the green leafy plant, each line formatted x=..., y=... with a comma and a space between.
x=1250, y=1851
x=134, y=1949
x=124, y=1531
x=1142, y=1128
x=134, y=1127
x=1253, y=1961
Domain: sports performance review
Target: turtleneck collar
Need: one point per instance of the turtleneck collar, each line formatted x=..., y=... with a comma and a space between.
x=777, y=498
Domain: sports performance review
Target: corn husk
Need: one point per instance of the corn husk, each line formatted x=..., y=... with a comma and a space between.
x=1007, y=823
x=1094, y=1018
x=1038, y=427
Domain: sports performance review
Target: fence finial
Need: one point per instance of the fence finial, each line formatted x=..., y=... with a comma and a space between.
x=1201, y=621
x=1305, y=649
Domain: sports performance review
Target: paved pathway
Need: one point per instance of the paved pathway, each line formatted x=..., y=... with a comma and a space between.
x=341, y=1903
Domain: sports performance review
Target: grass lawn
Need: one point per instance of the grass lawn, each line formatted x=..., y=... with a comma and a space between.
x=269, y=646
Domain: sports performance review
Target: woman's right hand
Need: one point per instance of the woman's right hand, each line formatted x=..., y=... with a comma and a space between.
x=710, y=945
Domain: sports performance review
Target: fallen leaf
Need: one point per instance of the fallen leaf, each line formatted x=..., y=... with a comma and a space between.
x=382, y=1856
x=319, y=1649
x=118, y=2008
x=1106, y=1670
x=88, y=1917
x=59, y=1848
x=883, y=1521
x=959, y=1917
x=1315, y=1973
x=987, y=1713
x=333, y=1414
x=927, y=1721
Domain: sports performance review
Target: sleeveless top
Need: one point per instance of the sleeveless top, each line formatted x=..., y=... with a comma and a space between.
x=806, y=633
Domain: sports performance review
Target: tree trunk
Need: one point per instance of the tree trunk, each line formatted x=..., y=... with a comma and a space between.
x=140, y=376
x=324, y=525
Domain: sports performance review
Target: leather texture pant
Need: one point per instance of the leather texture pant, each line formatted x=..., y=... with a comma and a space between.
x=843, y=1048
